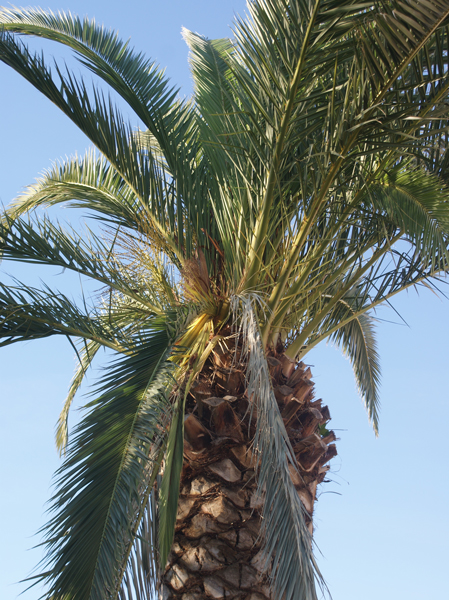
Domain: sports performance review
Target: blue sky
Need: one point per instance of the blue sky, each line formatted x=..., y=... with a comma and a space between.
x=382, y=524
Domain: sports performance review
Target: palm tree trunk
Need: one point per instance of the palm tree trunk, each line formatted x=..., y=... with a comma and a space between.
x=216, y=550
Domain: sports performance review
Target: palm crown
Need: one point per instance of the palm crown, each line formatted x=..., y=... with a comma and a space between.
x=302, y=186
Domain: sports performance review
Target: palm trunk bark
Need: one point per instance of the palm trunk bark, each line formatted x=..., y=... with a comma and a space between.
x=217, y=550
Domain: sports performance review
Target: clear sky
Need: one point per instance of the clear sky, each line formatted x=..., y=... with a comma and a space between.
x=382, y=522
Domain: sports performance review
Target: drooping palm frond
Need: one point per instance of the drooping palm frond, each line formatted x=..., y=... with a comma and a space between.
x=40, y=241
x=358, y=342
x=169, y=488
x=356, y=337
x=28, y=313
x=114, y=454
x=86, y=357
x=87, y=182
x=170, y=122
x=142, y=572
x=138, y=80
x=286, y=539
x=104, y=126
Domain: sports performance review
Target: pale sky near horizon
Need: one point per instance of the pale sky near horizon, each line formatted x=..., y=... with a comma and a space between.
x=382, y=522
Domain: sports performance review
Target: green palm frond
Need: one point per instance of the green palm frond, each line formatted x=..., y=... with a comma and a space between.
x=28, y=313
x=135, y=78
x=98, y=119
x=169, y=488
x=87, y=182
x=228, y=145
x=141, y=575
x=86, y=357
x=357, y=341
x=40, y=241
x=417, y=203
x=114, y=455
x=171, y=123
x=394, y=36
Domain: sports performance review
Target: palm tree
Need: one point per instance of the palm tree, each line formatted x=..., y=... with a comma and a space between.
x=301, y=187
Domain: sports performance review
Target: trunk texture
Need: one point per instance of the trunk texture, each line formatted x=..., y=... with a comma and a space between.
x=216, y=550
